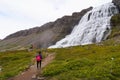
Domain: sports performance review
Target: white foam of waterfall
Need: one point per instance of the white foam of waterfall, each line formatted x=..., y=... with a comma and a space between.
x=92, y=28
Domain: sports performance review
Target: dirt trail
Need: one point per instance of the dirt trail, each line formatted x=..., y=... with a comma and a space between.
x=31, y=73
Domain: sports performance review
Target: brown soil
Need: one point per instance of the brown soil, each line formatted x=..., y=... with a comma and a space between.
x=32, y=72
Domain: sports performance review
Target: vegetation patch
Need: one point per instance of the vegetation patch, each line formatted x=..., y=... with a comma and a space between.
x=115, y=20
x=14, y=62
x=91, y=62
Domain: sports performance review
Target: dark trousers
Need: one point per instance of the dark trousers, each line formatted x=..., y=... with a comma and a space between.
x=39, y=64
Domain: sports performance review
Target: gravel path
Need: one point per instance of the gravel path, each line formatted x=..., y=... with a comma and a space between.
x=31, y=73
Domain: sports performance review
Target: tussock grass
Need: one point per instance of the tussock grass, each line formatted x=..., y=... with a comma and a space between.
x=14, y=62
x=91, y=62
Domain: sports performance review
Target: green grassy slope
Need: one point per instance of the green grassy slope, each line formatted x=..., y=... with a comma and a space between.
x=14, y=62
x=92, y=62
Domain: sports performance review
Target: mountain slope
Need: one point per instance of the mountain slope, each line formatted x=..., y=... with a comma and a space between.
x=44, y=36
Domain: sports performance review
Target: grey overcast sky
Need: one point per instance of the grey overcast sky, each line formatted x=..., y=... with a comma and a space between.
x=18, y=15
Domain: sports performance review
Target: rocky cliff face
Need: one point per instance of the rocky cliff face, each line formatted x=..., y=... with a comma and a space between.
x=45, y=35
x=117, y=3
x=115, y=22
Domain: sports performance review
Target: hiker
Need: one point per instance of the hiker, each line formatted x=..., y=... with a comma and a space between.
x=39, y=59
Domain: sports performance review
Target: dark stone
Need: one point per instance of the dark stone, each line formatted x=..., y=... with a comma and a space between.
x=117, y=3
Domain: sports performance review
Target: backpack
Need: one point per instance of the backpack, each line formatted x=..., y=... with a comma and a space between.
x=38, y=58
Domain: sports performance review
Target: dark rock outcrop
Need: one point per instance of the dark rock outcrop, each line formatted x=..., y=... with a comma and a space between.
x=115, y=21
x=45, y=35
x=117, y=3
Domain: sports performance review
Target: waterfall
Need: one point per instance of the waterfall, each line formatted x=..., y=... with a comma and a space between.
x=92, y=28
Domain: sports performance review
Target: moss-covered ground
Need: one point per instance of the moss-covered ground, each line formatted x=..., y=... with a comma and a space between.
x=14, y=62
x=91, y=62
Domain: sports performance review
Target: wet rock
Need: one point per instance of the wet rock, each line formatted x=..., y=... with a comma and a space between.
x=117, y=3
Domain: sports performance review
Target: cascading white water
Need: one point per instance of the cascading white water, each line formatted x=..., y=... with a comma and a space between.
x=92, y=28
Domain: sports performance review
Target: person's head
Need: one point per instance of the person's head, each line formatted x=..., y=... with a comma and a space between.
x=39, y=52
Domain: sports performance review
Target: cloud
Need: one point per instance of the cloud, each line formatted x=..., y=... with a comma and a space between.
x=17, y=15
